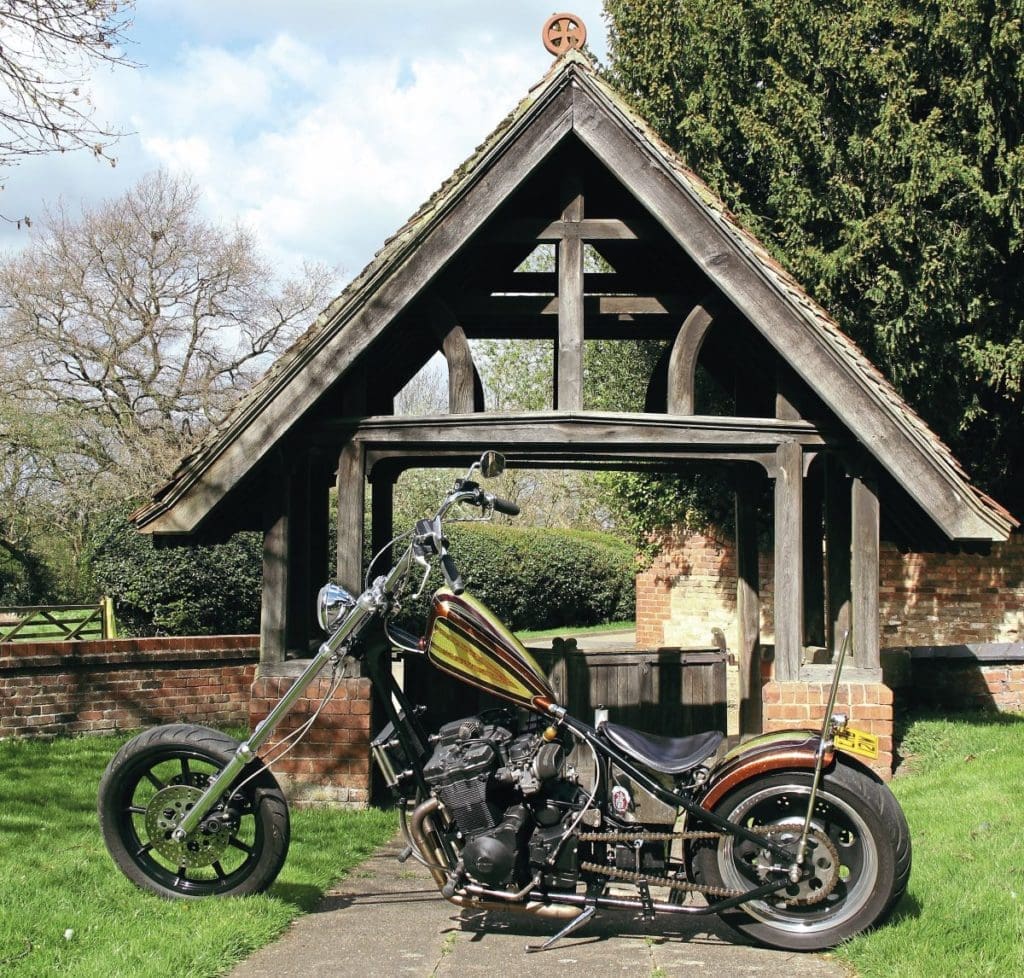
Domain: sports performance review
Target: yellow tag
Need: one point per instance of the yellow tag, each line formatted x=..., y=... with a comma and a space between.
x=857, y=742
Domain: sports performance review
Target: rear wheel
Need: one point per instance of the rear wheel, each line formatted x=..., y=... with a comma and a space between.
x=857, y=866
x=154, y=780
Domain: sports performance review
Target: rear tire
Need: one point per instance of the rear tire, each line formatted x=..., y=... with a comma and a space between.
x=856, y=819
x=149, y=785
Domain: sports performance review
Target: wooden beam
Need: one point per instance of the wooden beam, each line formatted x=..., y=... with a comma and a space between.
x=648, y=326
x=351, y=507
x=865, y=515
x=590, y=229
x=299, y=579
x=789, y=614
x=382, y=514
x=748, y=602
x=682, y=364
x=465, y=390
x=529, y=306
x=569, y=363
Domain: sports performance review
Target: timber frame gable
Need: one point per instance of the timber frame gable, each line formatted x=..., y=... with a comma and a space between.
x=573, y=168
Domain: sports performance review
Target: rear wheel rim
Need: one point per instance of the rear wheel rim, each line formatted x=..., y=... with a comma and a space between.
x=786, y=805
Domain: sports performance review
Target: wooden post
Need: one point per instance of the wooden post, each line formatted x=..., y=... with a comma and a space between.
x=298, y=621
x=789, y=553
x=569, y=373
x=465, y=390
x=274, y=607
x=864, y=573
x=382, y=505
x=814, y=558
x=351, y=509
x=748, y=606
x=837, y=548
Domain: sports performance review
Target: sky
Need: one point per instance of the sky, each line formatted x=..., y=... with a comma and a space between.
x=320, y=125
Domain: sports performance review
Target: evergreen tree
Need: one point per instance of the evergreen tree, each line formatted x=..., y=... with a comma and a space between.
x=875, y=147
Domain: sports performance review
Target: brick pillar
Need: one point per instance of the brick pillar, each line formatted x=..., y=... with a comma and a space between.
x=331, y=764
x=802, y=705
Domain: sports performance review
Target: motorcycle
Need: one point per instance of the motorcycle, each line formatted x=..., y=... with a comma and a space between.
x=788, y=837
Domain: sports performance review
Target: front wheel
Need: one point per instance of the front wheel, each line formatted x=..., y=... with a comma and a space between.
x=154, y=779
x=857, y=866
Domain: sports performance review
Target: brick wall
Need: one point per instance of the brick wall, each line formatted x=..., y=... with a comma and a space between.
x=331, y=764
x=49, y=688
x=925, y=598
x=690, y=589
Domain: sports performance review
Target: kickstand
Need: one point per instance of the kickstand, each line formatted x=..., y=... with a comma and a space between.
x=578, y=921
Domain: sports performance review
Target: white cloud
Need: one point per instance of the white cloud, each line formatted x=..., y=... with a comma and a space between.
x=320, y=125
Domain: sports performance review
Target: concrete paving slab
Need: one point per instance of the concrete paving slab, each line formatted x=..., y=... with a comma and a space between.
x=387, y=919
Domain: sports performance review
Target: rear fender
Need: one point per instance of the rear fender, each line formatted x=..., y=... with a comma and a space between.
x=784, y=750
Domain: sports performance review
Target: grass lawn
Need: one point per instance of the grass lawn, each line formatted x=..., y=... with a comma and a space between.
x=66, y=910
x=963, y=915
x=611, y=626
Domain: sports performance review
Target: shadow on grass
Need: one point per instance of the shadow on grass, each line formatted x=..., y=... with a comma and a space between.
x=305, y=896
x=909, y=908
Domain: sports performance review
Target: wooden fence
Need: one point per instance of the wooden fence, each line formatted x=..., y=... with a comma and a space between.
x=58, y=623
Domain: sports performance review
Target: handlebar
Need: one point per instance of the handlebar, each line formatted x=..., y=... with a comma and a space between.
x=500, y=505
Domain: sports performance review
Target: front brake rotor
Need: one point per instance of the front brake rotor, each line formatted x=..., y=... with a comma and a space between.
x=203, y=847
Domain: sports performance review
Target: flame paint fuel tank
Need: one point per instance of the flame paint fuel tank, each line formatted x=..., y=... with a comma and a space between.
x=468, y=641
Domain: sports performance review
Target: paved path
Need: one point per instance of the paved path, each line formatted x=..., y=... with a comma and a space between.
x=386, y=920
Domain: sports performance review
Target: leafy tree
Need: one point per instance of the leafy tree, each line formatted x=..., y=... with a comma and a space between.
x=875, y=147
x=125, y=333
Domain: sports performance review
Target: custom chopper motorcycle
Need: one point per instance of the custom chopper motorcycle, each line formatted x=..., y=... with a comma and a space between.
x=524, y=807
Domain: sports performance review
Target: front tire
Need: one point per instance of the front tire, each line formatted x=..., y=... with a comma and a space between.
x=859, y=837
x=149, y=785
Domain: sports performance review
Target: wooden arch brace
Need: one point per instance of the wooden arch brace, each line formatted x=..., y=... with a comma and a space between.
x=465, y=391
x=682, y=364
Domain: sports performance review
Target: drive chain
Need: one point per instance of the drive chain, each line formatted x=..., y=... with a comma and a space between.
x=614, y=872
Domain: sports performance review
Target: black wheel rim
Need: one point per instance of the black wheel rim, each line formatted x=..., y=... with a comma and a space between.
x=236, y=850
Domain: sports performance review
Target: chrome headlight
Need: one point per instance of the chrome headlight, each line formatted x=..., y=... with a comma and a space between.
x=332, y=604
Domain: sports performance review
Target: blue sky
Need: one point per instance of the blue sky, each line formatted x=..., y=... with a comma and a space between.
x=320, y=125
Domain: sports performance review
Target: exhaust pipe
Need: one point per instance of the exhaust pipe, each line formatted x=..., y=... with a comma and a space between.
x=422, y=831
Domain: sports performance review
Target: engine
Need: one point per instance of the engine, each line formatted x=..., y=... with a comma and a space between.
x=511, y=796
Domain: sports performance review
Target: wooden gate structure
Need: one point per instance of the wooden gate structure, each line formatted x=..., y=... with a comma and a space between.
x=574, y=166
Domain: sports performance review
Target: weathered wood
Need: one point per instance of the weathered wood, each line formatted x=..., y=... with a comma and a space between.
x=682, y=365
x=837, y=547
x=710, y=242
x=357, y=322
x=465, y=390
x=274, y=601
x=864, y=573
x=785, y=408
x=814, y=557
x=748, y=604
x=351, y=507
x=382, y=511
x=300, y=588
x=504, y=307
x=789, y=581
x=589, y=229
x=569, y=375
x=617, y=326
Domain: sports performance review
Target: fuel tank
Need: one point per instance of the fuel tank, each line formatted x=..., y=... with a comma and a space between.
x=468, y=641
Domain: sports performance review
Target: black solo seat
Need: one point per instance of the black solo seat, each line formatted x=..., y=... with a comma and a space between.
x=667, y=755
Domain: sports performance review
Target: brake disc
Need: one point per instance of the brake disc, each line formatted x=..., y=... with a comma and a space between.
x=203, y=847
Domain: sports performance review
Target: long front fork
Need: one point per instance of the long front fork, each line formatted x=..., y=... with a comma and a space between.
x=364, y=610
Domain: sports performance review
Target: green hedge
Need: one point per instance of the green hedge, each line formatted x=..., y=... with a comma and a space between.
x=534, y=577
x=530, y=577
x=191, y=590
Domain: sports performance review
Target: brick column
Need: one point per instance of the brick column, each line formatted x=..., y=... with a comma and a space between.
x=802, y=705
x=331, y=764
